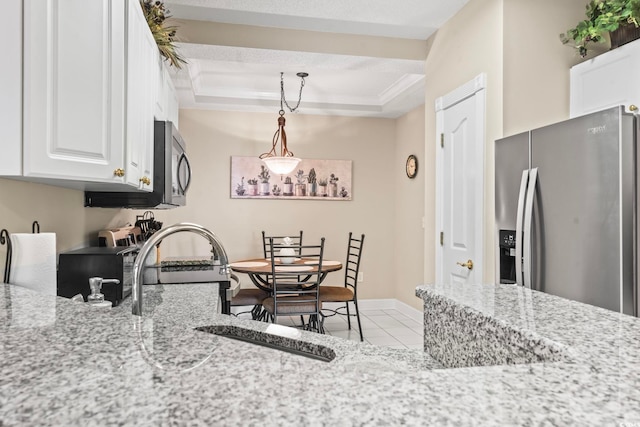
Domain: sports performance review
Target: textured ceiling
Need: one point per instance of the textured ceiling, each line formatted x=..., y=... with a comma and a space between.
x=360, y=54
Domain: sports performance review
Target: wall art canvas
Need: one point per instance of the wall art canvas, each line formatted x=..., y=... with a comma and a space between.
x=313, y=179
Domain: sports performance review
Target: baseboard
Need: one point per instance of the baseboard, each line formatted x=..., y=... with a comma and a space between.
x=385, y=304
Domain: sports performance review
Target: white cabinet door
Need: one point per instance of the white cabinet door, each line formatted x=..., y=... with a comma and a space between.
x=11, y=90
x=607, y=80
x=160, y=111
x=166, y=107
x=142, y=71
x=73, y=89
x=172, y=102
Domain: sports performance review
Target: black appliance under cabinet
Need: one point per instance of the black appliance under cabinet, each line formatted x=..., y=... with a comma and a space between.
x=76, y=267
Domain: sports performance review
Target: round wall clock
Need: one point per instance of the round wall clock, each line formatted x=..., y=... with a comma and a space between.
x=412, y=166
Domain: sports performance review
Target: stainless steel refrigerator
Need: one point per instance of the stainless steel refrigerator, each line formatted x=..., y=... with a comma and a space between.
x=566, y=199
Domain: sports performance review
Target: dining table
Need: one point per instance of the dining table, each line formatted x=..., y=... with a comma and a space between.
x=259, y=269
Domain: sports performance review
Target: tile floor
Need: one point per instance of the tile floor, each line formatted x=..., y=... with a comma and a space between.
x=388, y=327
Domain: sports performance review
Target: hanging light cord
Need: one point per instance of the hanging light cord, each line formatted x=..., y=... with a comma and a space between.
x=283, y=99
x=280, y=133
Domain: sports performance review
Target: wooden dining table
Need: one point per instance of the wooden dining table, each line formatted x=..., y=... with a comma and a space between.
x=259, y=269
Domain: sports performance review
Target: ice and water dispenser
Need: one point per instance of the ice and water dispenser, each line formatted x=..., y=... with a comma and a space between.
x=507, y=245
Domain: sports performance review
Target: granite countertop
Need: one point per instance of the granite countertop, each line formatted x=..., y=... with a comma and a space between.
x=64, y=363
x=532, y=358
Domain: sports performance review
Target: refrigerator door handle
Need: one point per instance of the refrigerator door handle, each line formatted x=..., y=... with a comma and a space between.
x=528, y=219
x=519, y=224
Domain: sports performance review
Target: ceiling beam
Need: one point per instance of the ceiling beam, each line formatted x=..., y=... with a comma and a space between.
x=237, y=35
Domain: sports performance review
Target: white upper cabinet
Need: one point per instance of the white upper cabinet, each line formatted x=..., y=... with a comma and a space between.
x=89, y=73
x=11, y=89
x=607, y=80
x=74, y=89
x=142, y=60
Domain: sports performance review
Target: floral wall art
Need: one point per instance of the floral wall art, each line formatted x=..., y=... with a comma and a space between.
x=313, y=179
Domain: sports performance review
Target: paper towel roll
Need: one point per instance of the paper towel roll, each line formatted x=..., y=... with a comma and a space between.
x=33, y=261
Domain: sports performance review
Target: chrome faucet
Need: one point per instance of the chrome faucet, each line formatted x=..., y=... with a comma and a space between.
x=156, y=238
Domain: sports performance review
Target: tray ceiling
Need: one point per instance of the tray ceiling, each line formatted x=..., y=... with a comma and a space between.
x=364, y=57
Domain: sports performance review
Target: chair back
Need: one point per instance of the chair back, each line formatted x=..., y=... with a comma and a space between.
x=296, y=286
x=278, y=240
x=352, y=265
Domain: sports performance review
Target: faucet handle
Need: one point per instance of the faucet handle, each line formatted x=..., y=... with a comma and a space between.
x=116, y=281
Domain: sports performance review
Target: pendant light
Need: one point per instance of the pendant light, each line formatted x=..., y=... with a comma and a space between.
x=285, y=162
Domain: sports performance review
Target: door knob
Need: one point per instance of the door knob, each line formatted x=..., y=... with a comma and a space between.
x=468, y=264
x=633, y=108
x=119, y=172
x=145, y=180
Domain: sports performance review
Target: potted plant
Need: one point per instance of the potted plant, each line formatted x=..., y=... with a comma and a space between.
x=264, y=181
x=619, y=18
x=311, y=183
x=287, y=188
x=240, y=188
x=300, y=185
x=252, y=186
x=322, y=188
x=164, y=35
x=333, y=186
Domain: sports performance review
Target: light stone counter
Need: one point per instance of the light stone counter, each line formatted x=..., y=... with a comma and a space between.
x=64, y=363
x=533, y=358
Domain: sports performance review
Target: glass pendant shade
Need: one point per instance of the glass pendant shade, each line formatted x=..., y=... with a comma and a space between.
x=281, y=165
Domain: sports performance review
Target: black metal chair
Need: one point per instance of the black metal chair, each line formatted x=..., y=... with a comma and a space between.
x=277, y=241
x=348, y=293
x=253, y=296
x=296, y=286
x=250, y=297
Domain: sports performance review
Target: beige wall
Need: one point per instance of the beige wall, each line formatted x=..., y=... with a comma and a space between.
x=409, y=208
x=56, y=209
x=381, y=194
x=527, y=72
x=536, y=64
x=213, y=137
x=467, y=45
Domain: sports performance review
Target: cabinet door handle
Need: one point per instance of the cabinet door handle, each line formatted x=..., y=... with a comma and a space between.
x=119, y=172
x=145, y=180
x=632, y=107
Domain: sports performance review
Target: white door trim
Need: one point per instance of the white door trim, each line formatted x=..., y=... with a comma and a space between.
x=477, y=89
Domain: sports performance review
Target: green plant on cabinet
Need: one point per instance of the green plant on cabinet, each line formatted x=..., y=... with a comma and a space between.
x=603, y=16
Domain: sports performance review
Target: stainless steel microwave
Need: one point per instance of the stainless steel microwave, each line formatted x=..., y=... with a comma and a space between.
x=171, y=176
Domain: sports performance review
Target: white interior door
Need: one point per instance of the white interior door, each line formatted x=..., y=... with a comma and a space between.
x=460, y=183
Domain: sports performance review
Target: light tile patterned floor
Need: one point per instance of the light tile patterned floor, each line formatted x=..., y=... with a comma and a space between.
x=389, y=328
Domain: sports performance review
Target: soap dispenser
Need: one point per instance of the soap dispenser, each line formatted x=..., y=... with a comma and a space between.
x=96, y=298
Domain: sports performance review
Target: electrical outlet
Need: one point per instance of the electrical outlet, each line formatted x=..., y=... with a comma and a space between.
x=361, y=276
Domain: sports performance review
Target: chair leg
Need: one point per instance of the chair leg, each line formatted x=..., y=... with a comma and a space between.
x=255, y=312
x=355, y=303
x=348, y=315
x=316, y=323
x=320, y=325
